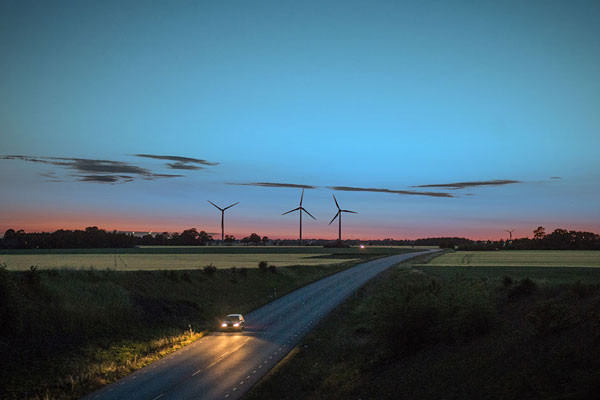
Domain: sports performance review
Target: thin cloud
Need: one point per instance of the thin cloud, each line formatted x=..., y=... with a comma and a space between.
x=376, y=190
x=92, y=170
x=85, y=164
x=166, y=176
x=185, y=163
x=105, y=178
x=462, y=185
x=274, y=185
x=555, y=177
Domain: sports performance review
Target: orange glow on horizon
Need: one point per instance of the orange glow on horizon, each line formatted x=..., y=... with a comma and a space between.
x=279, y=230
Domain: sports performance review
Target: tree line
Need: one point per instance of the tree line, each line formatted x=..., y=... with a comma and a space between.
x=93, y=237
x=559, y=239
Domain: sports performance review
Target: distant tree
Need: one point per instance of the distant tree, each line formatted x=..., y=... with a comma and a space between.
x=204, y=238
x=229, y=239
x=539, y=232
x=188, y=237
x=254, y=239
x=265, y=240
x=10, y=234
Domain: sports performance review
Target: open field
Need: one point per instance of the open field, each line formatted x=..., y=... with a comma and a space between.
x=161, y=261
x=431, y=332
x=150, y=258
x=522, y=258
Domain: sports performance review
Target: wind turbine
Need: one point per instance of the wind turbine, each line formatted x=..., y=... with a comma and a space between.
x=510, y=233
x=222, y=217
x=339, y=217
x=300, y=209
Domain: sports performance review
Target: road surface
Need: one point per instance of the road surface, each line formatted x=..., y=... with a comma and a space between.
x=224, y=365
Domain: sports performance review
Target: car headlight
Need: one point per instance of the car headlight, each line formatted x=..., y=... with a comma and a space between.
x=236, y=324
x=224, y=325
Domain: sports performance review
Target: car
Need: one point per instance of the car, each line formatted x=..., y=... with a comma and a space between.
x=233, y=322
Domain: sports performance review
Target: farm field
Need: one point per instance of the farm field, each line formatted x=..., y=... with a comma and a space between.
x=521, y=258
x=151, y=258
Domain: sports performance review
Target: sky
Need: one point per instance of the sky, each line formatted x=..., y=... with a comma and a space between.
x=428, y=118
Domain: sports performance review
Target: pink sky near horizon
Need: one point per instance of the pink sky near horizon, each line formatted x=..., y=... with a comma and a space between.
x=286, y=228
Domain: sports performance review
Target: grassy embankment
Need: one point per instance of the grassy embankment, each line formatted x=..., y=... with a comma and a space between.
x=66, y=332
x=431, y=332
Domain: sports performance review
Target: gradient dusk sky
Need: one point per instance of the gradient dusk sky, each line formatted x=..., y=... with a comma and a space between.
x=429, y=118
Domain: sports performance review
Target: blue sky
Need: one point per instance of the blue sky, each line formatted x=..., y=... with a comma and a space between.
x=383, y=95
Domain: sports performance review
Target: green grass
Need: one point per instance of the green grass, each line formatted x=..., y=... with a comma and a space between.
x=148, y=258
x=521, y=258
x=432, y=332
x=67, y=332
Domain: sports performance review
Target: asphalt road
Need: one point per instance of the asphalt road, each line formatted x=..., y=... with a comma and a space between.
x=224, y=365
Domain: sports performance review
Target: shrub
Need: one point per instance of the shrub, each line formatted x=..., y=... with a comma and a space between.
x=210, y=270
x=525, y=288
x=507, y=281
x=244, y=271
x=263, y=266
x=550, y=318
x=272, y=269
x=186, y=277
x=32, y=275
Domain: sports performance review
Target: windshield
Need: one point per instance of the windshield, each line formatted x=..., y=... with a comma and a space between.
x=233, y=318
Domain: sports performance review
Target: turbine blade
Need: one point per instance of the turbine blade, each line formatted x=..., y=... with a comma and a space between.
x=295, y=209
x=231, y=206
x=301, y=197
x=336, y=215
x=353, y=212
x=336, y=203
x=215, y=205
x=308, y=213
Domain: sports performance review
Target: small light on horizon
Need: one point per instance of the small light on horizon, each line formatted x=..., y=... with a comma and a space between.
x=362, y=246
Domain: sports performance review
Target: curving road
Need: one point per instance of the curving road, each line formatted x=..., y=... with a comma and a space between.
x=225, y=365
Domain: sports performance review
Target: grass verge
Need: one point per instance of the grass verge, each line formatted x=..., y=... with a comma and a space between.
x=439, y=332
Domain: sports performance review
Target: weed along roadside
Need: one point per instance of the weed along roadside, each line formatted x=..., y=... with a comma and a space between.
x=418, y=331
x=68, y=332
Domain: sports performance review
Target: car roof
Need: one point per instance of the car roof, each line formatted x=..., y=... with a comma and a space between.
x=235, y=315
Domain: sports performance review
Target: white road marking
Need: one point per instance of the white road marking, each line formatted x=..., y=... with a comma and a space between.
x=159, y=396
x=197, y=372
x=254, y=371
x=227, y=395
x=235, y=388
x=242, y=382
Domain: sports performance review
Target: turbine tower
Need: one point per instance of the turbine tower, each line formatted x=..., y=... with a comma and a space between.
x=339, y=217
x=510, y=233
x=222, y=217
x=300, y=209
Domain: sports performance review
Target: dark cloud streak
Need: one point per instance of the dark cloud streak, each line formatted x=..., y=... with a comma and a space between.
x=180, y=162
x=274, y=185
x=91, y=170
x=376, y=190
x=462, y=185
